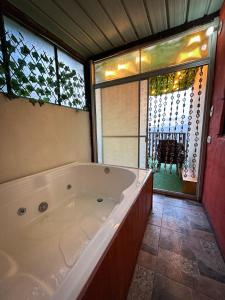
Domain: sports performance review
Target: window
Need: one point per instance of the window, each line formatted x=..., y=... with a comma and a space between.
x=175, y=51
x=3, y=87
x=71, y=74
x=117, y=67
x=33, y=63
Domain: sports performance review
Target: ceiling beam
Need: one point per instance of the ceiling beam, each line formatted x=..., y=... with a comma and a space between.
x=155, y=37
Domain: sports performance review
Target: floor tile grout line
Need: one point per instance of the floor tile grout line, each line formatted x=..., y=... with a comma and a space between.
x=184, y=285
x=193, y=289
x=190, y=234
x=190, y=206
x=155, y=270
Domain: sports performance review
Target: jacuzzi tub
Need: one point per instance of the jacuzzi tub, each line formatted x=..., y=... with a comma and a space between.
x=53, y=254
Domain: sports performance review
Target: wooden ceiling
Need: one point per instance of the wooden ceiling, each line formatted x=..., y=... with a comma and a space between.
x=95, y=26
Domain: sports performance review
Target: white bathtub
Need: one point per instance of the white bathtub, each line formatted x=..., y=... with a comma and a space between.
x=51, y=254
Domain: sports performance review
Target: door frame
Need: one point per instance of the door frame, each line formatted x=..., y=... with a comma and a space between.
x=202, y=141
x=210, y=61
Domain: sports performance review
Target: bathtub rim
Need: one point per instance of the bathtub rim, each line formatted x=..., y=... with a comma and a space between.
x=61, y=167
x=59, y=170
x=85, y=287
x=68, y=283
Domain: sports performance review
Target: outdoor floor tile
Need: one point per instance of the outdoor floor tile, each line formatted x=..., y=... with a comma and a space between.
x=159, y=198
x=179, y=225
x=141, y=285
x=205, y=270
x=201, y=234
x=168, y=289
x=210, y=261
x=188, y=245
x=150, y=241
x=198, y=296
x=177, y=267
x=170, y=240
x=192, y=205
x=176, y=212
x=179, y=243
x=147, y=260
x=210, y=288
x=199, y=221
x=155, y=219
x=157, y=207
x=180, y=252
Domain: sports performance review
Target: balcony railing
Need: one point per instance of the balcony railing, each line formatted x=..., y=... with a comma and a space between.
x=155, y=137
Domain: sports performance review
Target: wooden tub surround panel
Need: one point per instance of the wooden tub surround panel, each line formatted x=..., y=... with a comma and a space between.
x=111, y=278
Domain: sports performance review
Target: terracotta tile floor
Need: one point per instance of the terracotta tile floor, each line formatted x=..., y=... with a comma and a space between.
x=179, y=258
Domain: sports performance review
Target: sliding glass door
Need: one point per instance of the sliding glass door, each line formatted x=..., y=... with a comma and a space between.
x=121, y=132
x=155, y=123
x=175, y=123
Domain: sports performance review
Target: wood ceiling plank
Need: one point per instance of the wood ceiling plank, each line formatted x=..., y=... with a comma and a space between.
x=137, y=12
x=34, y=13
x=177, y=12
x=95, y=11
x=157, y=14
x=76, y=13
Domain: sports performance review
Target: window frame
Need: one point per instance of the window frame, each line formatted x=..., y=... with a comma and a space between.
x=56, y=47
x=142, y=46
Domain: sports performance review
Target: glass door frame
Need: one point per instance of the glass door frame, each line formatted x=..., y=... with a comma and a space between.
x=210, y=61
x=102, y=136
x=204, y=131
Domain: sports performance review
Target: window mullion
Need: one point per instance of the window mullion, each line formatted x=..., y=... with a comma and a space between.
x=5, y=55
x=57, y=74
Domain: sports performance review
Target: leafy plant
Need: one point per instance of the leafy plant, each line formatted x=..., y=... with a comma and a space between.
x=33, y=75
x=172, y=82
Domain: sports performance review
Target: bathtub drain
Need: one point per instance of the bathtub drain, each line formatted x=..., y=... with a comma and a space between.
x=99, y=200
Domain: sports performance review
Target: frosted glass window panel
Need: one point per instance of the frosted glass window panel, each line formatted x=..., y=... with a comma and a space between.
x=32, y=64
x=175, y=51
x=72, y=87
x=142, y=153
x=120, y=110
x=98, y=108
x=121, y=151
x=143, y=106
x=117, y=67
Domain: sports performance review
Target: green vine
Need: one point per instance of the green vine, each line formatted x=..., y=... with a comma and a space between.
x=181, y=80
x=33, y=76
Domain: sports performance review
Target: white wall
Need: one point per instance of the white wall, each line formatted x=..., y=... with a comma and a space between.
x=35, y=138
